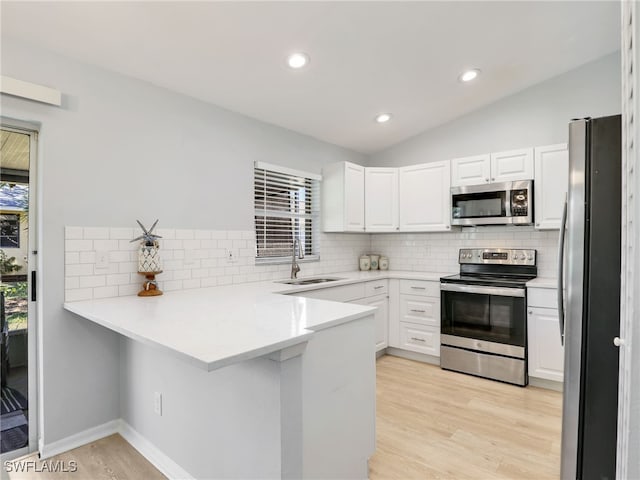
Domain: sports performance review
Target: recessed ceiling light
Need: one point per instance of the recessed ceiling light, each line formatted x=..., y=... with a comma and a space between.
x=297, y=60
x=469, y=75
x=383, y=117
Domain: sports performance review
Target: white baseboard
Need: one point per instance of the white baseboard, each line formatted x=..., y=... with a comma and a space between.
x=418, y=357
x=544, y=383
x=158, y=459
x=79, y=439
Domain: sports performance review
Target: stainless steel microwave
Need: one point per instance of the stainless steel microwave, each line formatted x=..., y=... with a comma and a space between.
x=508, y=203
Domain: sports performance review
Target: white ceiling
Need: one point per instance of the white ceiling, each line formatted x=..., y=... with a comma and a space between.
x=366, y=57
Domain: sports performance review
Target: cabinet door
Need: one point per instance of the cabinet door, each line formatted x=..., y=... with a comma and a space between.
x=381, y=318
x=551, y=182
x=512, y=165
x=354, y=197
x=470, y=170
x=546, y=354
x=420, y=338
x=381, y=199
x=425, y=197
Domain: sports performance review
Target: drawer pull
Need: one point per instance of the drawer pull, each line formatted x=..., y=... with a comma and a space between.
x=379, y=286
x=416, y=339
x=418, y=288
x=418, y=311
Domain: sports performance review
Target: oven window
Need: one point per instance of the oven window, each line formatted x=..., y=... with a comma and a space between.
x=484, y=317
x=479, y=205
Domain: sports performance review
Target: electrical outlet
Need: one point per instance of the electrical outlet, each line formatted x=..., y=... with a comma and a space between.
x=189, y=257
x=102, y=259
x=232, y=255
x=157, y=403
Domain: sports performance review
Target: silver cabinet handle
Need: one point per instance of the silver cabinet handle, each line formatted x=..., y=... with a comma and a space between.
x=493, y=179
x=417, y=311
x=418, y=288
x=379, y=286
x=618, y=342
x=416, y=339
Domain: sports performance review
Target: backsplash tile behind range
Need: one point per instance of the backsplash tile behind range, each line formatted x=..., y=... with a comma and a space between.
x=190, y=259
x=438, y=252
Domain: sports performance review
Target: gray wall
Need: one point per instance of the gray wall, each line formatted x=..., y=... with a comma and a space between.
x=535, y=116
x=119, y=150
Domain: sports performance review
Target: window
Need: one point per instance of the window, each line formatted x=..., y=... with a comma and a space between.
x=10, y=230
x=286, y=208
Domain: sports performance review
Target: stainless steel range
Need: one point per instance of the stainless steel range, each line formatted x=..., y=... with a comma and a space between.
x=484, y=314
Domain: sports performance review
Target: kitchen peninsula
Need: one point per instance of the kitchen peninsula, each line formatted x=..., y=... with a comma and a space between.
x=240, y=382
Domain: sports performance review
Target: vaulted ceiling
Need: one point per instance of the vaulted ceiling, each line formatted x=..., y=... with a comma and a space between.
x=365, y=57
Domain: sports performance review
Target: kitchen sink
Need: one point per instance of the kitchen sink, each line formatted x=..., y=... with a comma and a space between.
x=309, y=281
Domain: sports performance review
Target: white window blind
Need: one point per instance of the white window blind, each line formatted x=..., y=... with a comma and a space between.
x=286, y=208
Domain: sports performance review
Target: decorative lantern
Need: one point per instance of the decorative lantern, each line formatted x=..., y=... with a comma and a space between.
x=149, y=260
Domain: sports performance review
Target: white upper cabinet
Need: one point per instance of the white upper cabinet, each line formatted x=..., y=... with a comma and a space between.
x=425, y=197
x=550, y=184
x=470, y=170
x=343, y=197
x=381, y=199
x=512, y=165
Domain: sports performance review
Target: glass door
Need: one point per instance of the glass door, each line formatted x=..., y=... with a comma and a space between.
x=17, y=294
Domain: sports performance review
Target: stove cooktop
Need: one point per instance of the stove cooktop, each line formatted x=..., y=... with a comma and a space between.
x=513, y=281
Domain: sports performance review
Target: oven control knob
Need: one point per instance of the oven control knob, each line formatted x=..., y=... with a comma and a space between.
x=530, y=256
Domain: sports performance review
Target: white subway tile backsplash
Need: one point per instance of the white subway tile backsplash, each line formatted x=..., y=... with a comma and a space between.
x=73, y=233
x=206, y=262
x=78, y=270
x=105, y=292
x=78, y=245
x=93, y=281
x=91, y=233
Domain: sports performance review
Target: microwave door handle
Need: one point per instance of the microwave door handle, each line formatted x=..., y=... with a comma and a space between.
x=563, y=228
x=507, y=203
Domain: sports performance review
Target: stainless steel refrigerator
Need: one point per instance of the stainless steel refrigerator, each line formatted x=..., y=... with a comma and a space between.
x=589, y=299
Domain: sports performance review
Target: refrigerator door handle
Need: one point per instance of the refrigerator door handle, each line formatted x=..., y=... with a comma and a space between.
x=563, y=229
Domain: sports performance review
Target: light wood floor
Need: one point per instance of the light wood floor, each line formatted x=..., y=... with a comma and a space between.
x=110, y=458
x=434, y=424
x=431, y=424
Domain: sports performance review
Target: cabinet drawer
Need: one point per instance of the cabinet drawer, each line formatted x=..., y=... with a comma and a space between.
x=419, y=338
x=343, y=293
x=417, y=309
x=378, y=287
x=542, y=297
x=420, y=287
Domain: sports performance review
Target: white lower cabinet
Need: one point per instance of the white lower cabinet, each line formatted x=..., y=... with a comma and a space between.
x=418, y=317
x=373, y=293
x=546, y=354
x=381, y=316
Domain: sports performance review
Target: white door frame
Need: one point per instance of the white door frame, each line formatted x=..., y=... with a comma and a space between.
x=628, y=462
x=34, y=263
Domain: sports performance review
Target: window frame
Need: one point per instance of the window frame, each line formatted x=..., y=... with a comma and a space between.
x=264, y=169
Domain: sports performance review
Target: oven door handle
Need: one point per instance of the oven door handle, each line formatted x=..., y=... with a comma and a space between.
x=483, y=290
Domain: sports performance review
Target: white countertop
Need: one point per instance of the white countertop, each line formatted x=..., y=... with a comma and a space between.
x=214, y=327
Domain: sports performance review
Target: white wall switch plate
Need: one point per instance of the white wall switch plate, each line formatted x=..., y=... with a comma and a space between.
x=102, y=259
x=232, y=255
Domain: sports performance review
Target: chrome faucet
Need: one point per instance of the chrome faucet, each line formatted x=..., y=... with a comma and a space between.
x=295, y=268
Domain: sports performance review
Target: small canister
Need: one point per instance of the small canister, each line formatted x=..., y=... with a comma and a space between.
x=375, y=259
x=365, y=262
x=383, y=263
